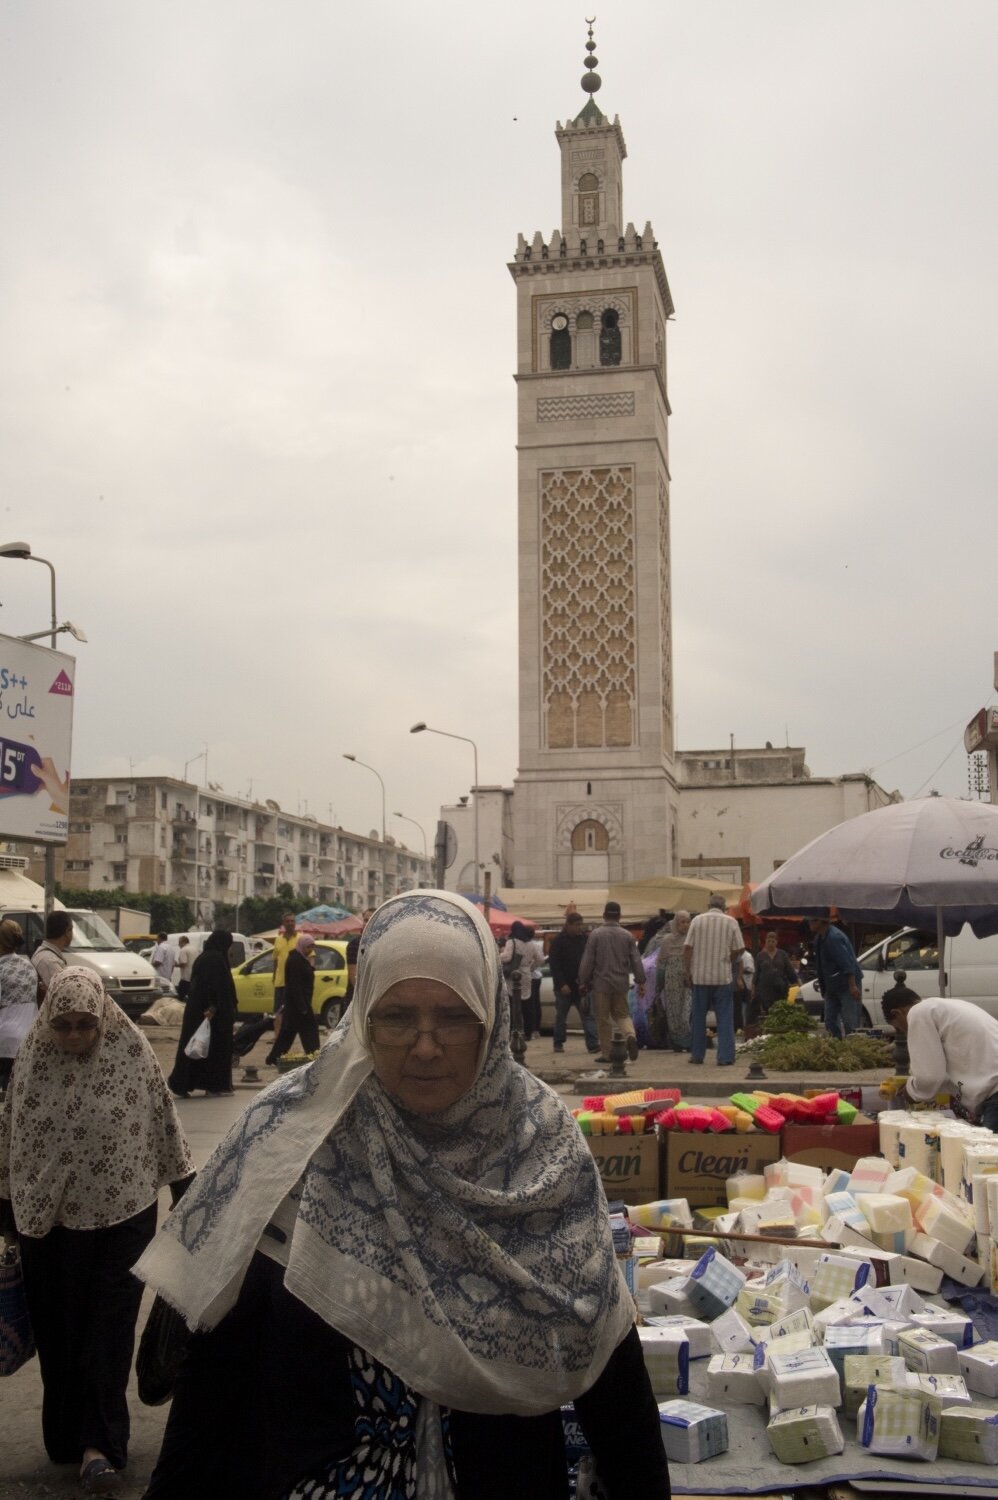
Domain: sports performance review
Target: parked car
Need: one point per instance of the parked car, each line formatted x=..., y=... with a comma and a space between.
x=971, y=965
x=254, y=981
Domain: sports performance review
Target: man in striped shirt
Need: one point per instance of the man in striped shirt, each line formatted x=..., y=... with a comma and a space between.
x=711, y=956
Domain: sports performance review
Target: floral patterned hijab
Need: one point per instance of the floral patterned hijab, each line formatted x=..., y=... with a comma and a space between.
x=86, y=1140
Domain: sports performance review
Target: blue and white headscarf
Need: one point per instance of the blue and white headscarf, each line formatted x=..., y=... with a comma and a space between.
x=468, y=1251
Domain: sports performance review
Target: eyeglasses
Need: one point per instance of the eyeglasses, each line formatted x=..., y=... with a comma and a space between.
x=388, y=1032
x=88, y=1023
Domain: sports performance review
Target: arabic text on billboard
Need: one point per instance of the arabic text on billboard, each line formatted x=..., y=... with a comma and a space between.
x=36, y=730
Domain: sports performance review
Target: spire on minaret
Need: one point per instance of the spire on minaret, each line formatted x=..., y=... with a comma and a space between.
x=591, y=82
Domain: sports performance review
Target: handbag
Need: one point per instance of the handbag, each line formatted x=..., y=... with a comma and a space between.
x=197, y=1047
x=17, y=1342
x=161, y=1353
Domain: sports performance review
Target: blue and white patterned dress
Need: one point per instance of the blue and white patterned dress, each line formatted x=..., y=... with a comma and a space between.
x=383, y=1463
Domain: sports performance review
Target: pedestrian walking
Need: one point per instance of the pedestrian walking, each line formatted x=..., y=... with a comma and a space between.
x=19, y=985
x=88, y=1136
x=564, y=958
x=402, y=1261
x=712, y=958
x=610, y=958
x=670, y=1012
x=774, y=974
x=49, y=958
x=212, y=997
x=163, y=957
x=517, y=968
x=185, y=960
x=297, y=1017
x=532, y=1008
x=839, y=977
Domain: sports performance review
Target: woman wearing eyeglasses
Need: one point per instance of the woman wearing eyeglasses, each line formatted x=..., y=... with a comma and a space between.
x=88, y=1135
x=400, y=1261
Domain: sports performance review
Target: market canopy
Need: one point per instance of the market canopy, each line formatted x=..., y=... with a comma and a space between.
x=671, y=893
x=932, y=863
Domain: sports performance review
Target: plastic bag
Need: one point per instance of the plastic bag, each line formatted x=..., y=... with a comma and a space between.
x=197, y=1047
x=17, y=1341
x=161, y=1352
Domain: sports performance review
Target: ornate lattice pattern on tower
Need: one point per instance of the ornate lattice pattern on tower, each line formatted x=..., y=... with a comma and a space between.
x=588, y=629
x=665, y=612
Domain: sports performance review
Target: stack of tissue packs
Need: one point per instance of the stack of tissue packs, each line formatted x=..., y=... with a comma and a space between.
x=691, y=1432
x=804, y=1377
x=714, y=1284
x=860, y=1371
x=697, y=1334
x=732, y=1379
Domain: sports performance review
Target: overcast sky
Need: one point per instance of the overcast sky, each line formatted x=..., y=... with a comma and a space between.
x=256, y=351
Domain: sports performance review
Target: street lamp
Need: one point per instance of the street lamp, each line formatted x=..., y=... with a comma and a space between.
x=74, y=631
x=419, y=729
x=22, y=552
x=422, y=830
x=384, y=849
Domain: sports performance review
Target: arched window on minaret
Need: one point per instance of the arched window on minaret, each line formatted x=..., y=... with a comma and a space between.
x=588, y=200
x=561, y=343
x=585, y=341
x=609, y=338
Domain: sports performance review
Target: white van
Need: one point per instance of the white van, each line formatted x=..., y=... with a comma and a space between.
x=128, y=979
x=971, y=968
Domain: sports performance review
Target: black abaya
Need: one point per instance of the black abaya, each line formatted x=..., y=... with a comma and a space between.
x=211, y=988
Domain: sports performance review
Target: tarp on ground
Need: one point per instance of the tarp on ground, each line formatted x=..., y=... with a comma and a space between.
x=670, y=893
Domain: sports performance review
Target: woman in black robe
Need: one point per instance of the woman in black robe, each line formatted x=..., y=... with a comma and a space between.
x=213, y=995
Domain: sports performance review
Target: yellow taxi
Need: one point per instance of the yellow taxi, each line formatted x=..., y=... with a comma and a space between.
x=254, y=981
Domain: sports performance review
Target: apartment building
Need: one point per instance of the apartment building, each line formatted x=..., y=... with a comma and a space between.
x=158, y=834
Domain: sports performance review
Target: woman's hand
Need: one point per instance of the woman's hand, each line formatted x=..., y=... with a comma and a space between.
x=209, y=1013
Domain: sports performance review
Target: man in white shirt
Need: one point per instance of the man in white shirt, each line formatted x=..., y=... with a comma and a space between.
x=711, y=952
x=952, y=1047
x=163, y=957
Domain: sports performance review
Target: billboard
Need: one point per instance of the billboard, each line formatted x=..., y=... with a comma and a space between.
x=36, y=733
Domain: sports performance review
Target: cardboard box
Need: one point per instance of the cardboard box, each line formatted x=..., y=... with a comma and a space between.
x=697, y=1164
x=831, y=1146
x=628, y=1167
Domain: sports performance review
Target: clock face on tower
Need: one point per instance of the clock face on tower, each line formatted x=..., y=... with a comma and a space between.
x=558, y=322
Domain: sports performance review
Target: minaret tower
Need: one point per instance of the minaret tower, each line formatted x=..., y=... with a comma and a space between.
x=596, y=798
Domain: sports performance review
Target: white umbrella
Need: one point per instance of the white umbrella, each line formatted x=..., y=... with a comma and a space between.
x=912, y=862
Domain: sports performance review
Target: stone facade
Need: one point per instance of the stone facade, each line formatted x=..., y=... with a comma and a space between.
x=595, y=795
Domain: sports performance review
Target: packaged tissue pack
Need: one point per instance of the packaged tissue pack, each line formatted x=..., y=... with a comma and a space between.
x=950, y=1390
x=692, y=1432
x=697, y=1334
x=732, y=1378
x=947, y=1324
x=667, y=1360
x=714, y=1284
x=860, y=1371
x=791, y=1343
x=979, y=1367
x=836, y=1276
x=803, y=1378
x=845, y=1310
x=843, y=1340
x=805, y=1433
x=939, y=1221
x=671, y=1298
x=899, y=1423
x=926, y=1353
x=959, y=1267
x=732, y=1334
x=970, y=1433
